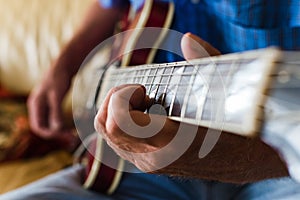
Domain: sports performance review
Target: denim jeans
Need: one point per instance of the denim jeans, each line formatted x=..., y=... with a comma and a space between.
x=65, y=185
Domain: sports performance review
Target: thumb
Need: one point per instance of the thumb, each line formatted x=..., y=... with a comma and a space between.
x=194, y=47
x=56, y=114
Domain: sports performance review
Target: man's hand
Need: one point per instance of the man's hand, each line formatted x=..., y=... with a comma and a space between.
x=45, y=107
x=155, y=143
x=45, y=101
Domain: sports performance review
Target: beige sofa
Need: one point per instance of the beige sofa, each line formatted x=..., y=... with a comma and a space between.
x=32, y=33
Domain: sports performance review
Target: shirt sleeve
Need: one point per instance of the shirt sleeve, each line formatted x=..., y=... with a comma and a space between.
x=114, y=3
x=136, y=4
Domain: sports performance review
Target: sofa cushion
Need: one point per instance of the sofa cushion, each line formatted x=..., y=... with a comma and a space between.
x=31, y=36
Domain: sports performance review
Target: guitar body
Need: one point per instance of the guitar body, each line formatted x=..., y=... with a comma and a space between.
x=102, y=177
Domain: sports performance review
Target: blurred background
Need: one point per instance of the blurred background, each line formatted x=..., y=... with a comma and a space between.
x=32, y=33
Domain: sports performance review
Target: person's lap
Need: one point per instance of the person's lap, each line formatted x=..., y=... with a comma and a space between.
x=66, y=185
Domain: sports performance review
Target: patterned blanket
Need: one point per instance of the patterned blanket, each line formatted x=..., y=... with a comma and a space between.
x=16, y=138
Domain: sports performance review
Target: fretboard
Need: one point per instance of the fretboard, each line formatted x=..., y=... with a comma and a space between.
x=225, y=92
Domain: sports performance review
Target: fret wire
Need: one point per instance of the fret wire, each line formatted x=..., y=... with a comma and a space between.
x=130, y=76
x=125, y=77
x=142, y=78
x=234, y=67
x=152, y=81
x=146, y=82
x=174, y=96
x=134, y=76
x=146, y=78
x=232, y=70
x=188, y=92
x=169, y=79
x=143, y=75
x=219, y=107
x=158, y=84
x=168, y=84
x=119, y=81
x=202, y=99
x=137, y=77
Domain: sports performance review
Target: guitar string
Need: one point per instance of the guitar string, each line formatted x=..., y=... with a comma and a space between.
x=116, y=76
x=161, y=102
x=188, y=91
x=136, y=75
x=158, y=66
x=158, y=83
x=205, y=94
x=174, y=96
x=169, y=75
x=139, y=75
x=167, y=86
x=200, y=64
x=152, y=81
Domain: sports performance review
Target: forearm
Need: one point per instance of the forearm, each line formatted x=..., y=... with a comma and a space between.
x=234, y=159
x=98, y=25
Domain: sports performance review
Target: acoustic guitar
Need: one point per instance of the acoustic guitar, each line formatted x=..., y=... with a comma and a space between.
x=244, y=93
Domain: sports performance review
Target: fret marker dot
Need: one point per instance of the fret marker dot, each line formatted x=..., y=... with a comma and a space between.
x=283, y=76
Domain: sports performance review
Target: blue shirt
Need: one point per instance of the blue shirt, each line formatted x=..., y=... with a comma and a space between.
x=234, y=25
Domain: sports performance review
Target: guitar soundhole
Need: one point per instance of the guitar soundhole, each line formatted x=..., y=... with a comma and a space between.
x=169, y=104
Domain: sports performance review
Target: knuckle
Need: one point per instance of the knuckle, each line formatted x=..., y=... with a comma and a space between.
x=114, y=89
x=99, y=124
x=113, y=129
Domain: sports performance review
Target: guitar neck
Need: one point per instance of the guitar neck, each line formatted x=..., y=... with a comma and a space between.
x=226, y=92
